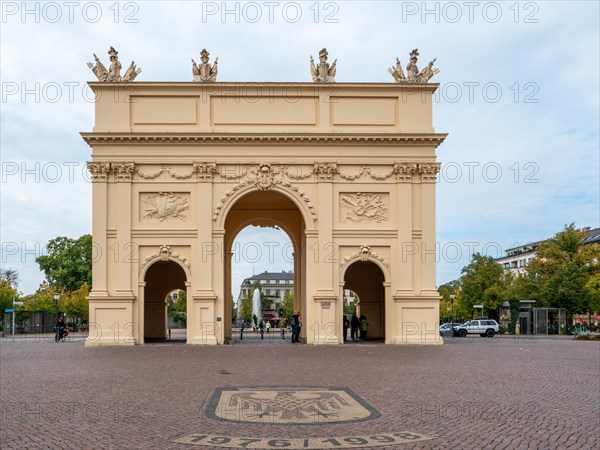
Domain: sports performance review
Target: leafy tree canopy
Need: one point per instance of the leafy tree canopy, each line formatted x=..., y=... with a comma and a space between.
x=68, y=262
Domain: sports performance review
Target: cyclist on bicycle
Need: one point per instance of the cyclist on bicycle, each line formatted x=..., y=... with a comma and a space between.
x=61, y=328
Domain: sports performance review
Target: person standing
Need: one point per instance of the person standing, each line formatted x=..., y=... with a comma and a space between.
x=363, y=327
x=268, y=326
x=354, y=324
x=346, y=326
x=296, y=327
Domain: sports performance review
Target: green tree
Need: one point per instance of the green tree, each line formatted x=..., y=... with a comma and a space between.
x=446, y=291
x=288, y=306
x=484, y=282
x=75, y=304
x=68, y=263
x=563, y=270
x=42, y=300
x=593, y=286
x=178, y=309
x=8, y=288
x=246, y=308
x=350, y=309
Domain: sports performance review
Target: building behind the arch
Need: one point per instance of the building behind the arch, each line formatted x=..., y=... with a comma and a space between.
x=348, y=170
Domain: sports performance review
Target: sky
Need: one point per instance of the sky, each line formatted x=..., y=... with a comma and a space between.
x=518, y=97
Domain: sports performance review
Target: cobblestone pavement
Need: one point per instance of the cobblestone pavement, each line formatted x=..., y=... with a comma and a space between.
x=472, y=393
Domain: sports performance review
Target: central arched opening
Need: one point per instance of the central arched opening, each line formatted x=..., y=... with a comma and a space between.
x=271, y=230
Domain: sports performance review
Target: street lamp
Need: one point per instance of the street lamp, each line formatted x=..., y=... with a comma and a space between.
x=452, y=297
x=56, y=298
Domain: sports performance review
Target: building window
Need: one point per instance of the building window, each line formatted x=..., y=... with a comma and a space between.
x=263, y=281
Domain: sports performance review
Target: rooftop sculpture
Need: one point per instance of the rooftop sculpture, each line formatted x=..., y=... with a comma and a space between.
x=113, y=73
x=323, y=73
x=412, y=71
x=204, y=72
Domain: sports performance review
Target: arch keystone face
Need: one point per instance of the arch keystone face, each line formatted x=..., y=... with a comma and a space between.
x=349, y=175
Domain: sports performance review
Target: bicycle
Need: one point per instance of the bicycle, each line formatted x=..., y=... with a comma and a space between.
x=61, y=334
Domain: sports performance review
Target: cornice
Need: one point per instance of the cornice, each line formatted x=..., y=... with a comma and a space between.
x=422, y=139
x=308, y=85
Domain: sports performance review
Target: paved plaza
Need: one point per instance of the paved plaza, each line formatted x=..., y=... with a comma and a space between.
x=473, y=393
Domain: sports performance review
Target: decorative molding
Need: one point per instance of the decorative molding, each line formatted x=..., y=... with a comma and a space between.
x=426, y=139
x=163, y=206
x=263, y=176
x=123, y=170
x=364, y=207
x=266, y=174
x=205, y=171
x=164, y=253
x=325, y=171
x=429, y=171
x=364, y=254
x=404, y=171
x=99, y=171
x=257, y=182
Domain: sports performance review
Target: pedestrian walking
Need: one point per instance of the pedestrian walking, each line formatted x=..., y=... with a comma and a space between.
x=346, y=326
x=354, y=324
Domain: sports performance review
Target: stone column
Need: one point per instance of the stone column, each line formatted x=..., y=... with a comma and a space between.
x=406, y=248
x=428, y=179
x=99, y=172
x=202, y=327
x=124, y=175
x=324, y=325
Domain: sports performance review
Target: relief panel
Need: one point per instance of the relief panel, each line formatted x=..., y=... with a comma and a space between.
x=364, y=207
x=164, y=206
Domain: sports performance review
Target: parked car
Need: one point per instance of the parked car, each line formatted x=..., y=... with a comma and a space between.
x=446, y=328
x=483, y=328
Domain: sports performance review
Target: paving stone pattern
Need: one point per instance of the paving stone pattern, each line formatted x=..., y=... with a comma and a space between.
x=472, y=393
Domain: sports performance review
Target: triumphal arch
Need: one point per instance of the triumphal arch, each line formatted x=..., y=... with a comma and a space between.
x=348, y=170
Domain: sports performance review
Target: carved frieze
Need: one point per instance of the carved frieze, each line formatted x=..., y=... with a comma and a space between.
x=164, y=206
x=264, y=175
x=364, y=207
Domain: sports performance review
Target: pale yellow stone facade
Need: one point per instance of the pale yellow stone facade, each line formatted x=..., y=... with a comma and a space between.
x=348, y=170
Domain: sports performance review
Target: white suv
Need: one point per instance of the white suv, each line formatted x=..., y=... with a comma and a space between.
x=481, y=327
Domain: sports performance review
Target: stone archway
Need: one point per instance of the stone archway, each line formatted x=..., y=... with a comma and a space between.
x=266, y=209
x=161, y=278
x=178, y=168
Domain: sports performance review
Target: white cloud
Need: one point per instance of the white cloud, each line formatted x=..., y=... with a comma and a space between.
x=558, y=135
